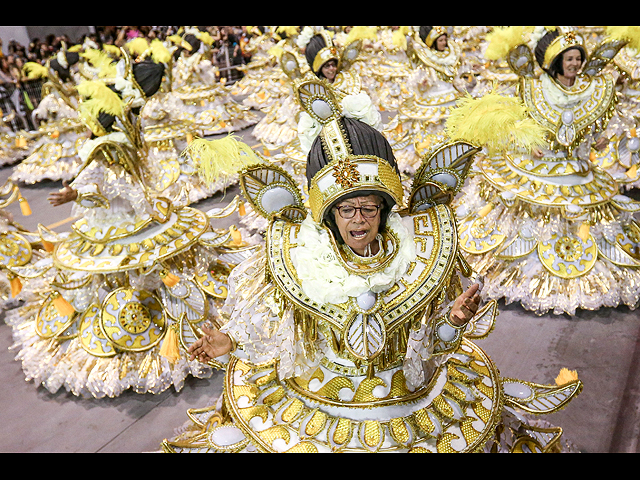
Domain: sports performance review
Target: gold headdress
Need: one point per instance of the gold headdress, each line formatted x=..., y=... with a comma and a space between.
x=346, y=173
x=566, y=41
x=434, y=34
x=326, y=54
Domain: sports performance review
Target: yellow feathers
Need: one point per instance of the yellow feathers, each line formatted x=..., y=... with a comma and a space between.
x=502, y=40
x=160, y=53
x=34, y=70
x=137, y=46
x=630, y=33
x=112, y=50
x=99, y=98
x=219, y=158
x=102, y=61
x=206, y=38
x=290, y=31
x=362, y=33
x=495, y=122
x=399, y=37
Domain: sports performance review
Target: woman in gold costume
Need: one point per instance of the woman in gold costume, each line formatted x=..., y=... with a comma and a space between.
x=546, y=225
x=351, y=330
x=61, y=133
x=430, y=93
x=136, y=276
x=206, y=101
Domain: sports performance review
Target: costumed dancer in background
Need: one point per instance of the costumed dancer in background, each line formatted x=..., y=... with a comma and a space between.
x=275, y=99
x=352, y=330
x=433, y=89
x=206, y=101
x=14, y=146
x=135, y=277
x=60, y=132
x=622, y=158
x=540, y=220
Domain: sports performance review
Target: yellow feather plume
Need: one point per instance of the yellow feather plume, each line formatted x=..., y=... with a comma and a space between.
x=137, y=46
x=289, y=30
x=99, y=98
x=504, y=39
x=102, y=61
x=160, y=53
x=206, y=38
x=495, y=122
x=399, y=37
x=112, y=50
x=630, y=33
x=362, y=33
x=34, y=70
x=220, y=158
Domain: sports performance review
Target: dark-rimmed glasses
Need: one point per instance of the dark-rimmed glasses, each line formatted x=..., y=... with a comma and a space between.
x=368, y=211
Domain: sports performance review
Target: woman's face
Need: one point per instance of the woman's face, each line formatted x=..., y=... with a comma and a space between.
x=571, y=63
x=330, y=70
x=442, y=43
x=359, y=231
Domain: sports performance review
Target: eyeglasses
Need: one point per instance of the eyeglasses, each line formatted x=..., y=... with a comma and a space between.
x=368, y=211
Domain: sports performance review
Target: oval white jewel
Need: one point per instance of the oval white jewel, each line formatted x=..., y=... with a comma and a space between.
x=275, y=199
x=567, y=117
x=366, y=301
x=322, y=109
x=518, y=390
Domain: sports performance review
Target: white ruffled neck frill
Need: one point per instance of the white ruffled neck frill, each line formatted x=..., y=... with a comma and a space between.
x=325, y=279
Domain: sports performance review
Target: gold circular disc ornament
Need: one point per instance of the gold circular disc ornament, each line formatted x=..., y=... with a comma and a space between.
x=568, y=256
x=49, y=323
x=133, y=320
x=15, y=250
x=477, y=237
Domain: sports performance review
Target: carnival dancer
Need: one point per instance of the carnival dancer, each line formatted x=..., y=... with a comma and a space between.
x=352, y=330
x=206, y=101
x=432, y=90
x=61, y=133
x=136, y=276
x=544, y=224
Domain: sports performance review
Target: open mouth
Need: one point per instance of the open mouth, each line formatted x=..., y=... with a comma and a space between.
x=358, y=234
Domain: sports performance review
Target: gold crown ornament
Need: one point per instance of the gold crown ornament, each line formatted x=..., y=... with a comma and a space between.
x=434, y=34
x=328, y=53
x=346, y=173
x=566, y=41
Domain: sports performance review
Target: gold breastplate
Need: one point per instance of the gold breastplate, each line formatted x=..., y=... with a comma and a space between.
x=570, y=122
x=372, y=329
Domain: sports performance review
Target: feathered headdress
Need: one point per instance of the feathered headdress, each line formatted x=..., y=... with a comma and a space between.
x=99, y=98
x=34, y=70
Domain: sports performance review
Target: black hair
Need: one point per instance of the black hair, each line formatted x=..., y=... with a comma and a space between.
x=364, y=140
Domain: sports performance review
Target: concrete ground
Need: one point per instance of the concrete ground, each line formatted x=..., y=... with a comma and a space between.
x=603, y=346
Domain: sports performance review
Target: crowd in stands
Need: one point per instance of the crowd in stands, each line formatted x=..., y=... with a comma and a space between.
x=22, y=95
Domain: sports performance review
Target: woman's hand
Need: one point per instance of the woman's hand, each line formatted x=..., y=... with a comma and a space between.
x=466, y=306
x=66, y=195
x=213, y=345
